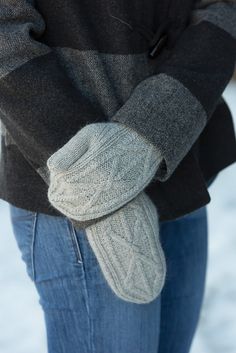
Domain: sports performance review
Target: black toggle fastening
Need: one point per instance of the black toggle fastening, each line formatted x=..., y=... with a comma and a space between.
x=156, y=40
x=157, y=47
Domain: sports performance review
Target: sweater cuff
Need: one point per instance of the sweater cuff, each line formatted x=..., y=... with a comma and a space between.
x=168, y=115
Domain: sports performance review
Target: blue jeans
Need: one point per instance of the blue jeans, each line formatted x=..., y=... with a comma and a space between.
x=83, y=315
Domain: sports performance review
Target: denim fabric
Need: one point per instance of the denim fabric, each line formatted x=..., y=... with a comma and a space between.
x=83, y=315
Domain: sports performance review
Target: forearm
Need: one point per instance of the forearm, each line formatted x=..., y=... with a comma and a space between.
x=172, y=107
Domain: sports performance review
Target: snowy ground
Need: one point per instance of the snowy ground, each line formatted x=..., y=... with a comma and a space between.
x=217, y=327
x=21, y=320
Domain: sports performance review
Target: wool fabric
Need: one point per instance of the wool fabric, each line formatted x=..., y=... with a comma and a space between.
x=128, y=249
x=100, y=169
x=103, y=167
x=79, y=62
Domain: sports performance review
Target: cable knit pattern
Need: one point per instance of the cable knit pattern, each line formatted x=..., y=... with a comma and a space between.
x=127, y=247
x=100, y=169
x=100, y=175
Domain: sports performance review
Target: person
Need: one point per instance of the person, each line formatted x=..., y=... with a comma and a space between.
x=113, y=127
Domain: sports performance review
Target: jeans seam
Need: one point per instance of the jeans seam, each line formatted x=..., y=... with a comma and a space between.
x=79, y=255
x=33, y=245
x=74, y=239
x=90, y=323
x=75, y=243
x=91, y=342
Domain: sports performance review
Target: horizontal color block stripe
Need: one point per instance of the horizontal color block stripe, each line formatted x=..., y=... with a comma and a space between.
x=57, y=76
x=205, y=3
x=107, y=26
x=221, y=14
x=17, y=20
x=106, y=79
x=70, y=84
x=41, y=107
x=165, y=112
x=203, y=60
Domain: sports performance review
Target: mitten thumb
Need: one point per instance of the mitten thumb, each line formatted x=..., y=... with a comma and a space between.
x=69, y=153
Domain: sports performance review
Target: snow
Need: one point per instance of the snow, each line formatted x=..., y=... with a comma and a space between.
x=22, y=327
x=217, y=326
x=21, y=320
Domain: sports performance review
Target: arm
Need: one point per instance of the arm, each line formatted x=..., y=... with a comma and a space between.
x=37, y=97
x=172, y=107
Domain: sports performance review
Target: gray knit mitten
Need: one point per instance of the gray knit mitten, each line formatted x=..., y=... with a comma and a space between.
x=127, y=247
x=100, y=169
x=100, y=174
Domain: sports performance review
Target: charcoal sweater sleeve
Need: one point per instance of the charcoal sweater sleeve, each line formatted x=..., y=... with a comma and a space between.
x=172, y=107
x=39, y=105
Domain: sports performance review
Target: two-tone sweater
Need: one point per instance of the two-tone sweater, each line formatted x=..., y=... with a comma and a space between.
x=158, y=66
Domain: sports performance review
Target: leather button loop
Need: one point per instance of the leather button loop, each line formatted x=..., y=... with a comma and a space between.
x=157, y=47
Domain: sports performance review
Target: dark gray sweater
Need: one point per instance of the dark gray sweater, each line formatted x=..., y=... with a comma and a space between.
x=66, y=64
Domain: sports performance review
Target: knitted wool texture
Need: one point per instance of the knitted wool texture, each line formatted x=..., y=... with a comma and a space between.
x=127, y=247
x=100, y=169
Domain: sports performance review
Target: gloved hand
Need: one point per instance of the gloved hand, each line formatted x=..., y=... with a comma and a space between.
x=100, y=169
x=128, y=249
x=100, y=174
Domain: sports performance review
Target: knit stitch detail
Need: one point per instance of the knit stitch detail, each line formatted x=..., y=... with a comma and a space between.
x=128, y=249
x=104, y=166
